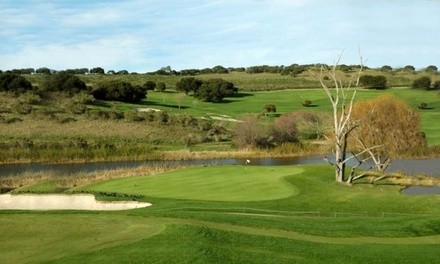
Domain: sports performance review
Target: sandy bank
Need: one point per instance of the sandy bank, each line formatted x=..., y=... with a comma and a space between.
x=63, y=202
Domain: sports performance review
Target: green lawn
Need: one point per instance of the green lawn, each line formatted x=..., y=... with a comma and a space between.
x=234, y=214
x=224, y=183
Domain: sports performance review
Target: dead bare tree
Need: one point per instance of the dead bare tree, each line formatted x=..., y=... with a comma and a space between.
x=341, y=98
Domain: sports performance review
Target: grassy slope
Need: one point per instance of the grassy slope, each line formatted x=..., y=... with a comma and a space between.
x=267, y=231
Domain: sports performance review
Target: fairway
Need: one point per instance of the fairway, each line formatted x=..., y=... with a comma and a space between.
x=233, y=214
x=216, y=183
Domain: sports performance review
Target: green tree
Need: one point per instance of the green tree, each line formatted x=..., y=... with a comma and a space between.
x=219, y=69
x=214, y=90
x=97, y=70
x=431, y=68
x=386, y=68
x=43, y=70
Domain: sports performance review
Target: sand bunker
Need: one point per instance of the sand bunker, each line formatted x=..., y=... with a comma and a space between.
x=63, y=202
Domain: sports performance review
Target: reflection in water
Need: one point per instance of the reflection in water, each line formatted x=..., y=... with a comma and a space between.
x=428, y=166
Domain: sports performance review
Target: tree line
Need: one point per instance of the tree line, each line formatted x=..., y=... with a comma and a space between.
x=212, y=90
x=293, y=69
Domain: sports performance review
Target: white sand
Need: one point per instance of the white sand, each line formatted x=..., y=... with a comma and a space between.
x=63, y=202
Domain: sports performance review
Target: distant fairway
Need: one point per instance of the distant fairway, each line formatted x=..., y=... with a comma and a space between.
x=218, y=183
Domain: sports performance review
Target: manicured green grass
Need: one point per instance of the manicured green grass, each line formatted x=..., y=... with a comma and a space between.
x=216, y=183
x=283, y=215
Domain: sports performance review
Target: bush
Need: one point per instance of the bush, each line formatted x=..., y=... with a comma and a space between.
x=188, y=84
x=373, y=82
x=149, y=85
x=423, y=105
x=10, y=82
x=269, y=108
x=23, y=108
x=65, y=120
x=133, y=117
x=12, y=120
x=76, y=108
x=63, y=82
x=97, y=114
x=307, y=103
x=422, y=83
x=119, y=91
x=161, y=87
x=115, y=115
x=436, y=85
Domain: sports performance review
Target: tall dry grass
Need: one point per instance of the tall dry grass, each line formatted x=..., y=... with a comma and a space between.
x=67, y=182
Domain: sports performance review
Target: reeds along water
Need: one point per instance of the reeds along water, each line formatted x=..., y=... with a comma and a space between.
x=64, y=182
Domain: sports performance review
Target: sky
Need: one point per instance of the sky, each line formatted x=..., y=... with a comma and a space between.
x=146, y=35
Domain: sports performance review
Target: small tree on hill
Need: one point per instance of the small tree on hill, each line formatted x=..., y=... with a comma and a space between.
x=214, y=90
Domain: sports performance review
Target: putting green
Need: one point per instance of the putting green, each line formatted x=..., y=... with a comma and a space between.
x=215, y=183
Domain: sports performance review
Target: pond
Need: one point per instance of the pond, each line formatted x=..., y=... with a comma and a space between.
x=426, y=166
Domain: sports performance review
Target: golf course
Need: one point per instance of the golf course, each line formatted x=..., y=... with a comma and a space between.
x=231, y=214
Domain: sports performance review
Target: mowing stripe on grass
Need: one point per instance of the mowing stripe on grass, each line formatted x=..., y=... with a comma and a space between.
x=215, y=183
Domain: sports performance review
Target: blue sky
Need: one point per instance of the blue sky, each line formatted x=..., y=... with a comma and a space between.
x=146, y=35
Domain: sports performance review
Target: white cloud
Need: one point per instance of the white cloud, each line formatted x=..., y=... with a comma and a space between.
x=111, y=52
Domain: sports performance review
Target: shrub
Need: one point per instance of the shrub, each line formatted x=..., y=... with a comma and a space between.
x=303, y=125
x=423, y=105
x=436, y=85
x=307, y=103
x=10, y=82
x=133, y=117
x=76, y=108
x=373, y=82
x=269, y=108
x=30, y=98
x=115, y=115
x=119, y=91
x=97, y=114
x=188, y=84
x=422, y=83
x=65, y=120
x=23, y=109
x=252, y=133
x=12, y=120
x=63, y=82
x=161, y=87
x=149, y=85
